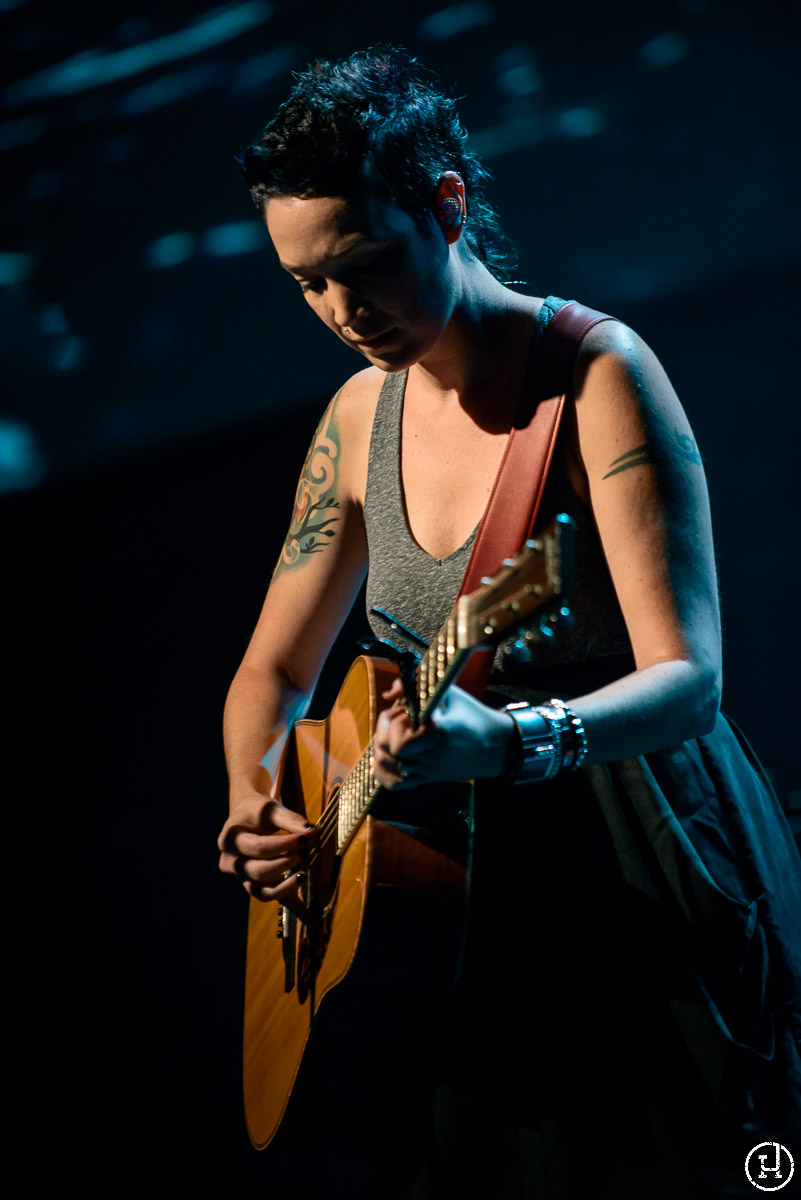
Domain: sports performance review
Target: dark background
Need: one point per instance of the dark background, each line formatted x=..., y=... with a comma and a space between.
x=161, y=382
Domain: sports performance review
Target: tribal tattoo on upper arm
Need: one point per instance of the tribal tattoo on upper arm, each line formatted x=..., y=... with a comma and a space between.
x=632, y=458
x=316, y=498
x=682, y=443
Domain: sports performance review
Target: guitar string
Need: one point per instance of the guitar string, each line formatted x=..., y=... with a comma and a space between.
x=329, y=820
x=365, y=789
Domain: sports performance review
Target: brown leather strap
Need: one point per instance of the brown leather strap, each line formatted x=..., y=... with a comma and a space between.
x=516, y=494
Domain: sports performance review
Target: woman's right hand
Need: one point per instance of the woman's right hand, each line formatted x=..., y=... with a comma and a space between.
x=267, y=847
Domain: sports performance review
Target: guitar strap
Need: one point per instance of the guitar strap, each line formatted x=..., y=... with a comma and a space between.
x=516, y=494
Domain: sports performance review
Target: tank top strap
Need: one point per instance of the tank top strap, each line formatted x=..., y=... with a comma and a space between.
x=383, y=464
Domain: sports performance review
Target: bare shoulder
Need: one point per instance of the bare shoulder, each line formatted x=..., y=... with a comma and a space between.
x=342, y=436
x=631, y=429
x=613, y=347
x=623, y=393
x=356, y=404
x=358, y=397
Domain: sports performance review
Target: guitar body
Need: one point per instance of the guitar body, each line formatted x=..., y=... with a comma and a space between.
x=385, y=889
x=393, y=898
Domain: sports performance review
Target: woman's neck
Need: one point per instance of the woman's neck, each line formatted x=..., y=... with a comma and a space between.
x=483, y=348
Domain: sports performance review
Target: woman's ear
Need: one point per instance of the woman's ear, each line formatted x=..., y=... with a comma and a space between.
x=450, y=206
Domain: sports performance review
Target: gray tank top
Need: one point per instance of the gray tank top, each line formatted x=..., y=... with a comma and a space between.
x=419, y=590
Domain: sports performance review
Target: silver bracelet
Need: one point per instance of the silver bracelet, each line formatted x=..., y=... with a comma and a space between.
x=537, y=750
x=551, y=739
x=577, y=737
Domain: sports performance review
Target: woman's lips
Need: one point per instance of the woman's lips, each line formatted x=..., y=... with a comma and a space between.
x=372, y=344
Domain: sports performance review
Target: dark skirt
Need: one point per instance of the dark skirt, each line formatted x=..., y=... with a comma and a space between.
x=627, y=1021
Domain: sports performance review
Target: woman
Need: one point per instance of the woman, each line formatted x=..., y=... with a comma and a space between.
x=616, y=856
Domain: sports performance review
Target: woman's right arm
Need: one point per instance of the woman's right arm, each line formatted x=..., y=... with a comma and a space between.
x=319, y=571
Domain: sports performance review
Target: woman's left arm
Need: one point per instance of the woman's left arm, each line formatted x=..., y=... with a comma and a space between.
x=636, y=462
x=648, y=495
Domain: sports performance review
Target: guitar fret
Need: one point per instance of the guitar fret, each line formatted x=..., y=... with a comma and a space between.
x=355, y=794
x=450, y=633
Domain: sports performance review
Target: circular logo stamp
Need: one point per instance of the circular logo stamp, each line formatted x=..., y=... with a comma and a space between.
x=769, y=1166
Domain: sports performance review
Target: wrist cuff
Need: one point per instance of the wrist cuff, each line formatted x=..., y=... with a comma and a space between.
x=550, y=738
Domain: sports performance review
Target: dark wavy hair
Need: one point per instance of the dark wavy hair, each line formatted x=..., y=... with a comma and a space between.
x=380, y=104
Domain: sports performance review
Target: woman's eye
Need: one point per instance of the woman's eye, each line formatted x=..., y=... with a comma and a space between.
x=311, y=285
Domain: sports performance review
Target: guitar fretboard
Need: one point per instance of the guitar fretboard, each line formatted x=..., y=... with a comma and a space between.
x=437, y=664
x=360, y=787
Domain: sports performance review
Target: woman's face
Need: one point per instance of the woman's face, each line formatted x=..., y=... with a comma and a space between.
x=368, y=271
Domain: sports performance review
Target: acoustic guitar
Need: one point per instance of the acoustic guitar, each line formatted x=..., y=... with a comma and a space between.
x=365, y=867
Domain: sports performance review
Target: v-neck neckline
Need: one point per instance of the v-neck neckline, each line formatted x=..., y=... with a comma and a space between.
x=540, y=322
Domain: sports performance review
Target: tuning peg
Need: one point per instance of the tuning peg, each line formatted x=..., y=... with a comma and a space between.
x=563, y=618
x=521, y=649
x=519, y=652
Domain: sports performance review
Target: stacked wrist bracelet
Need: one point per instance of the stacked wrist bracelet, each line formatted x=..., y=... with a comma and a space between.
x=550, y=738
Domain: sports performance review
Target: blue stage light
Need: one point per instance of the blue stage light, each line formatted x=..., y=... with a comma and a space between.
x=15, y=268
x=663, y=51
x=240, y=237
x=450, y=21
x=171, y=249
x=21, y=462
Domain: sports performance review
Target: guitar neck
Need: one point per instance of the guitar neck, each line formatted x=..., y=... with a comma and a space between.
x=436, y=670
x=538, y=578
x=358, y=791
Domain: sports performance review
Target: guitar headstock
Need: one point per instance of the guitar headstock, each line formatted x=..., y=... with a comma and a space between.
x=538, y=578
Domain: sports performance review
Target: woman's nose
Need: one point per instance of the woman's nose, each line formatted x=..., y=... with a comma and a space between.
x=347, y=307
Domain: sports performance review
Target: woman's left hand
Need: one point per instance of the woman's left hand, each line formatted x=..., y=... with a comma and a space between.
x=464, y=739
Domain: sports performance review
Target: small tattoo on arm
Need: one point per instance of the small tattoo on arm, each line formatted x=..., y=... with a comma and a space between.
x=632, y=458
x=682, y=443
x=316, y=502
